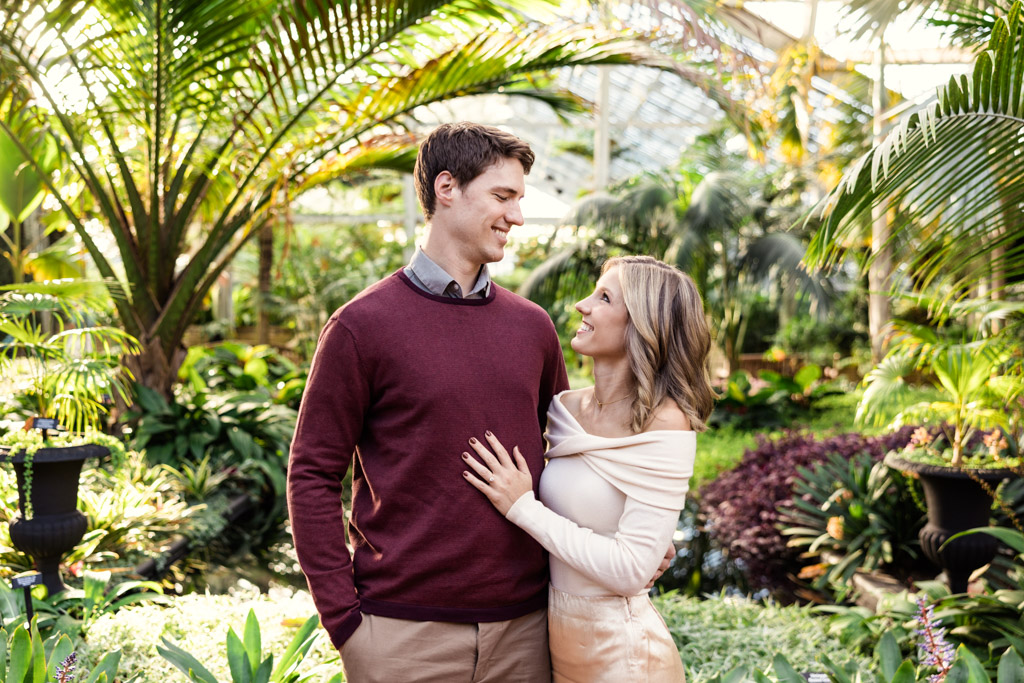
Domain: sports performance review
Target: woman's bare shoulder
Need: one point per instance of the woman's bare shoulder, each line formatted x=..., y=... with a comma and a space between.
x=670, y=416
x=572, y=399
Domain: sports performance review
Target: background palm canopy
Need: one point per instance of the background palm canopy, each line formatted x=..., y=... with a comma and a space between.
x=952, y=177
x=183, y=124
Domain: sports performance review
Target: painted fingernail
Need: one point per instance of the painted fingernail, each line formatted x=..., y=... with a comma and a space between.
x=472, y=439
x=488, y=434
x=465, y=474
x=465, y=456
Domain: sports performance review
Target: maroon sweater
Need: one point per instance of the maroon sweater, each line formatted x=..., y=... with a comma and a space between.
x=401, y=379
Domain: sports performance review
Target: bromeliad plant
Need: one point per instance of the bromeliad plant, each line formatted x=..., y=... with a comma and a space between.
x=30, y=659
x=246, y=660
x=851, y=514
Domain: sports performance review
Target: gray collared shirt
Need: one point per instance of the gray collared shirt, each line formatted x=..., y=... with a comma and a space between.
x=434, y=279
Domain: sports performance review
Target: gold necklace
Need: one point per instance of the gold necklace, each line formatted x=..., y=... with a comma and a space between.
x=602, y=404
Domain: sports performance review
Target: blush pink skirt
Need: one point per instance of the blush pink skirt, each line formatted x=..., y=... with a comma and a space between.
x=610, y=639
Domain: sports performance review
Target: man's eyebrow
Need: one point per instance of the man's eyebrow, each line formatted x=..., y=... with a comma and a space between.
x=506, y=190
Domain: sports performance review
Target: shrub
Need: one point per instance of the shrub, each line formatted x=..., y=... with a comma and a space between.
x=741, y=506
x=199, y=624
x=850, y=515
x=719, y=634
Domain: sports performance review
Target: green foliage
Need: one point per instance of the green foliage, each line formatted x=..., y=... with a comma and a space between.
x=949, y=174
x=771, y=401
x=244, y=430
x=27, y=658
x=72, y=373
x=843, y=332
x=891, y=668
x=860, y=512
x=719, y=634
x=979, y=383
x=246, y=660
x=198, y=623
x=233, y=366
x=318, y=269
x=182, y=181
x=223, y=443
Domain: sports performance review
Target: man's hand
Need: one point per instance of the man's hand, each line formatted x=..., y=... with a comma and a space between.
x=670, y=553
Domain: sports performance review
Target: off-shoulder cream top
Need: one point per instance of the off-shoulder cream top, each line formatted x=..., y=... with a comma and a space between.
x=608, y=505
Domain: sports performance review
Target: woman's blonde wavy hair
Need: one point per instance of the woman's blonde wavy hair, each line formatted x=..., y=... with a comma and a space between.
x=667, y=339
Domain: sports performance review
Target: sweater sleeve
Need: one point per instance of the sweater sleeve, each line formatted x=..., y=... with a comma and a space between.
x=624, y=563
x=328, y=428
x=554, y=380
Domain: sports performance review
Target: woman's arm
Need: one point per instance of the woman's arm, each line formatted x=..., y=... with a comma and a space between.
x=624, y=563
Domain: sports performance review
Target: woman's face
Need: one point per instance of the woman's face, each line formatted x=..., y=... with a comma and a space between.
x=603, y=331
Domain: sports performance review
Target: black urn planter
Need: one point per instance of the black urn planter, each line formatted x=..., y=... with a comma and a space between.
x=56, y=524
x=956, y=502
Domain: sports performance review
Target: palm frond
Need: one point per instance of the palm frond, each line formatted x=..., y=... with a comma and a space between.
x=952, y=175
x=782, y=253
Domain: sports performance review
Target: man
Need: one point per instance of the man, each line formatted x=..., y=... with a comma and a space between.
x=439, y=587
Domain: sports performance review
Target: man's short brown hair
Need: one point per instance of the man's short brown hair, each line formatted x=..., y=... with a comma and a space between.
x=465, y=150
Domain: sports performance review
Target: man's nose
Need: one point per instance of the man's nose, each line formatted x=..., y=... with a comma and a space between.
x=514, y=215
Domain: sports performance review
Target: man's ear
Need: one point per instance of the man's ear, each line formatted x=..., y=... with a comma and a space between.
x=445, y=188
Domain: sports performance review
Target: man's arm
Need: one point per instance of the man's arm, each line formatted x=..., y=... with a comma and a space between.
x=329, y=425
x=554, y=379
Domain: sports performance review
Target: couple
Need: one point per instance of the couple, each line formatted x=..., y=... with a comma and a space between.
x=437, y=361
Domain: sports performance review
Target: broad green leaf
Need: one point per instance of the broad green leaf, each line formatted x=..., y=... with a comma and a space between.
x=785, y=671
x=239, y=662
x=889, y=656
x=20, y=646
x=106, y=668
x=904, y=674
x=60, y=652
x=253, y=644
x=185, y=662
x=1011, y=668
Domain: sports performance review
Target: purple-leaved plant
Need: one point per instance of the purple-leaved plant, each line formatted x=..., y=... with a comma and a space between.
x=935, y=650
x=65, y=673
x=741, y=505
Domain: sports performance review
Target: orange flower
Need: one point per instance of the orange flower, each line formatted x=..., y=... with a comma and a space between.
x=813, y=571
x=835, y=528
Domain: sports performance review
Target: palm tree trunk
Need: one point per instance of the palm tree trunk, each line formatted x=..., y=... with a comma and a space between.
x=266, y=248
x=880, y=270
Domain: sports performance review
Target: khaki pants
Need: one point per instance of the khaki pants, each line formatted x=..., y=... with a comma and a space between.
x=385, y=650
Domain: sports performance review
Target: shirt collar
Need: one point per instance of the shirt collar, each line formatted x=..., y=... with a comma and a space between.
x=436, y=280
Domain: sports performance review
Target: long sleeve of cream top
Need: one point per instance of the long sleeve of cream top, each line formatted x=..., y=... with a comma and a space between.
x=608, y=506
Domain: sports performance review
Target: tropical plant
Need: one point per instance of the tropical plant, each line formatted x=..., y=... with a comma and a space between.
x=21, y=193
x=980, y=383
x=771, y=400
x=950, y=175
x=134, y=95
x=850, y=515
x=241, y=367
x=237, y=428
x=70, y=374
x=246, y=660
x=741, y=506
x=29, y=659
x=717, y=219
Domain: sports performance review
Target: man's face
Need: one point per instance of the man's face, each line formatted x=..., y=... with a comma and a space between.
x=482, y=213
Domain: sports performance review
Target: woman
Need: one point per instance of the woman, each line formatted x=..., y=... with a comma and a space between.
x=620, y=459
